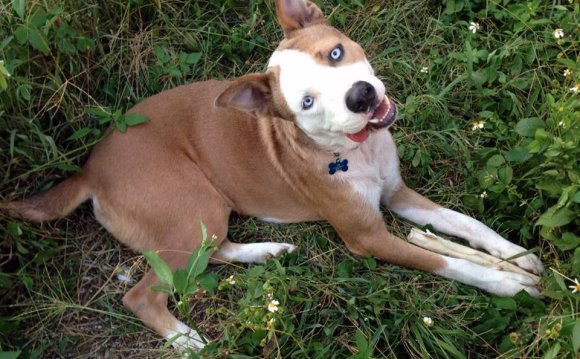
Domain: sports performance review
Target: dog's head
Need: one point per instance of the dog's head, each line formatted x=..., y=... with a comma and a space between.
x=318, y=78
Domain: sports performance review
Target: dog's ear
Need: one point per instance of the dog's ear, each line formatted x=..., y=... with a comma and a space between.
x=250, y=93
x=297, y=14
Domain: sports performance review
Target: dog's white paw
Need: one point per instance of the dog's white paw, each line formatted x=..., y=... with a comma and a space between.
x=489, y=279
x=510, y=283
x=272, y=250
x=529, y=262
x=185, y=340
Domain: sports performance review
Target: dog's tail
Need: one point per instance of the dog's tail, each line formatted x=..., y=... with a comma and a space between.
x=52, y=204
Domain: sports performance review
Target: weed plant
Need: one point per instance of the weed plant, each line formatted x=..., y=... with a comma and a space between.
x=488, y=125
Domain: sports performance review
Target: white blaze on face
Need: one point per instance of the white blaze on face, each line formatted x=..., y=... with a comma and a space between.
x=328, y=120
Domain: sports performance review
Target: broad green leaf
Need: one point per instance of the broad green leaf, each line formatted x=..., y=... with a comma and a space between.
x=504, y=303
x=469, y=58
x=180, y=281
x=133, y=119
x=159, y=266
x=551, y=187
x=518, y=155
x=18, y=6
x=9, y=355
x=527, y=127
x=576, y=337
x=370, y=263
x=198, y=261
x=37, y=39
x=576, y=261
x=21, y=34
x=85, y=44
x=505, y=174
x=208, y=281
x=361, y=342
x=98, y=111
x=473, y=202
x=552, y=353
x=24, y=91
x=556, y=217
x=14, y=229
x=121, y=126
x=567, y=242
x=193, y=58
x=80, y=133
x=495, y=161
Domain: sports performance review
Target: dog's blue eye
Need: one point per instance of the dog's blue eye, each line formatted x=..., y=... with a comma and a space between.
x=336, y=53
x=307, y=102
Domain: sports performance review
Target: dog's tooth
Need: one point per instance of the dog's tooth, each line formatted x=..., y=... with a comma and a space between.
x=374, y=120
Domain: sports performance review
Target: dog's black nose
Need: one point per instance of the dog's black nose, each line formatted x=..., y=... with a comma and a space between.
x=361, y=97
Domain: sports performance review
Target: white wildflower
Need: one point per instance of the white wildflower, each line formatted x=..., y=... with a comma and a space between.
x=474, y=26
x=428, y=322
x=230, y=280
x=273, y=306
x=576, y=287
x=558, y=33
x=424, y=69
x=124, y=275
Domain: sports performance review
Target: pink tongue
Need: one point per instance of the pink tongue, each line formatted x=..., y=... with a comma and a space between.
x=359, y=136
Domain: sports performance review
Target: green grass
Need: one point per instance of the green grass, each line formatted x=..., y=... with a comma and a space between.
x=60, y=295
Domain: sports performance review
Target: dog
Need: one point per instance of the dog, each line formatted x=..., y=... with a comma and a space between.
x=306, y=140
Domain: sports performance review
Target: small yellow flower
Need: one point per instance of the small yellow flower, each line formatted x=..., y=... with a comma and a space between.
x=483, y=194
x=567, y=72
x=273, y=306
x=576, y=287
x=474, y=26
x=424, y=69
x=558, y=33
x=428, y=322
x=476, y=125
x=575, y=88
x=270, y=323
x=515, y=337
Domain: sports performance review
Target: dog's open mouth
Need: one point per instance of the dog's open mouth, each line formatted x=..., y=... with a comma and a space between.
x=384, y=116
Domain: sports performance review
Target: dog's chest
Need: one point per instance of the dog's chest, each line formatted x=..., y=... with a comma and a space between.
x=373, y=168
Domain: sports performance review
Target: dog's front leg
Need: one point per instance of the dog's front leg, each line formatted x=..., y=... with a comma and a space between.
x=365, y=234
x=414, y=207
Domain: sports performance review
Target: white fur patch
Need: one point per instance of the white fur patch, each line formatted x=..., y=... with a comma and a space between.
x=329, y=119
x=254, y=252
x=184, y=338
x=272, y=220
x=373, y=167
x=492, y=280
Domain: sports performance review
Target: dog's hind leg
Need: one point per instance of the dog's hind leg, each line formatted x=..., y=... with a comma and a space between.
x=151, y=308
x=250, y=252
x=414, y=207
x=160, y=209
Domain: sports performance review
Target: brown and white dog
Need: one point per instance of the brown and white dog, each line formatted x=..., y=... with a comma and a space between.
x=271, y=145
